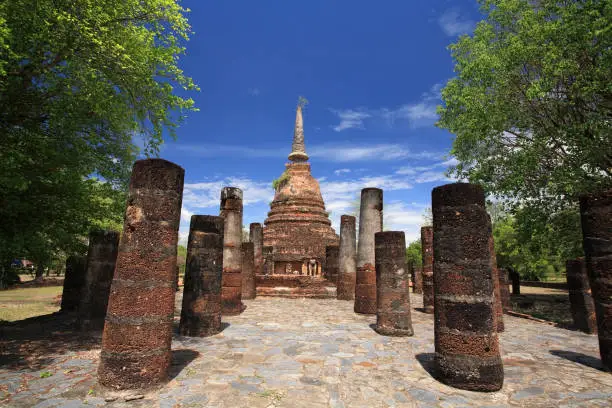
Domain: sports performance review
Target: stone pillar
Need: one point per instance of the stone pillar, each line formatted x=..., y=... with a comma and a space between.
x=201, y=311
x=417, y=279
x=596, y=219
x=499, y=311
x=392, y=291
x=370, y=222
x=516, y=282
x=74, y=281
x=467, y=347
x=504, y=290
x=101, y=260
x=581, y=300
x=256, y=237
x=231, y=290
x=248, y=271
x=347, y=259
x=138, y=330
x=427, y=274
x=332, y=254
x=176, y=278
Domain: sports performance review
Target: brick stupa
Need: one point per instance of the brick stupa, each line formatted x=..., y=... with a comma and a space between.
x=298, y=228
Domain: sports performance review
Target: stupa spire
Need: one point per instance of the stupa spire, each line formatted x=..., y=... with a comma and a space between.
x=298, y=150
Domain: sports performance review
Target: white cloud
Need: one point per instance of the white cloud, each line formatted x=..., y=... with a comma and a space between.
x=419, y=113
x=207, y=194
x=350, y=119
x=333, y=153
x=254, y=91
x=453, y=23
x=341, y=171
x=399, y=216
x=430, y=173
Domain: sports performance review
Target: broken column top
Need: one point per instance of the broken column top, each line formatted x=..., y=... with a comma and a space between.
x=207, y=223
x=298, y=149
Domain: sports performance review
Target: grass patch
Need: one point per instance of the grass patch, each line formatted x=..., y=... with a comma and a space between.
x=19, y=304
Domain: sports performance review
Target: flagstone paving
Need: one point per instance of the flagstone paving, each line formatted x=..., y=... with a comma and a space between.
x=318, y=353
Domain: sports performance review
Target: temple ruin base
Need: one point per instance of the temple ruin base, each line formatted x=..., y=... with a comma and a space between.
x=295, y=286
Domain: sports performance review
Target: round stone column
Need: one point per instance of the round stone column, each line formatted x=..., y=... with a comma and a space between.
x=101, y=261
x=581, y=300
x=248, y=271
x=138, y=330
x=370, y=222
x=499, y=310
x=596, y=219
x=392, y=291
x=256, y=237
x=466, y=342
x=347, y=261
x=427, y=274
x=417, y=276
x=74, y=281
x=332, y=253
x=201, y=311
x=516, y=281
x=504, y=290
x=231, y=289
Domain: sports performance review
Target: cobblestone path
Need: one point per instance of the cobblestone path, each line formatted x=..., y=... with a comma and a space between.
x=318, y=353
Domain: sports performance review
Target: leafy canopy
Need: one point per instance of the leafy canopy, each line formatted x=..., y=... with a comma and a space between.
x=79, y=80
x=532, y=100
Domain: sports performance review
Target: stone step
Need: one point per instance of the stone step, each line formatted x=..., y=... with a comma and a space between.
x=317, y=292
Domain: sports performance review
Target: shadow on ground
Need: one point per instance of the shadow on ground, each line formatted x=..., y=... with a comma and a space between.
x=181, y=359
x=32, y=343
x=580, y=358
x=426, y=360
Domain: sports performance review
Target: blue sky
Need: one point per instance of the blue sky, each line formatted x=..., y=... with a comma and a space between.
x=371, y=71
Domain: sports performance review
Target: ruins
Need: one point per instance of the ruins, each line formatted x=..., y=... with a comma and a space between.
x=231, y=287
x=392, y=292
x=298, y=229
x=100, y=267
x=347, y=261
x=581, y=299
x=370, y=222
x=427, y=271
x=74, y=281
x=466, y=341
x=497, y=297
x=138, y=329
x=595, y=210
x=201, y=308
x=248, y=271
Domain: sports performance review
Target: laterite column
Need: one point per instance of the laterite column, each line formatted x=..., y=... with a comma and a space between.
x=201, y=311
x=332, y=254
x=347, y=259
x=392, y=291
x=231, y=288
x=74, y=281
x=256, y=237
x=499, y=310
x=466, y=342
x=581, y=300
x=417, y=279
x=248, y=271
x=427, y=274
x=596, y=219
x=504, y=290
x=101, y=261
x=370, y=222
x=138, y=330
x=516, y=281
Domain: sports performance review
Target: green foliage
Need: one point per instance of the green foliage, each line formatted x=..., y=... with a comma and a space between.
x=531, y=105
x=78, y=80
x=46, y=374
x=302, y=102
x=414, y=253
x=537, y=244
x=281, y=180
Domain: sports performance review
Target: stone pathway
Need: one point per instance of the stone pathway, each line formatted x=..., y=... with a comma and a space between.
x=318, y=353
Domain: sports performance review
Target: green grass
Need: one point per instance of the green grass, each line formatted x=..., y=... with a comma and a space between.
x=19, y=304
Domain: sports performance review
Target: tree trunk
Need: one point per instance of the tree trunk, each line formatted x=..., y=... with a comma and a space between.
x=40, y=270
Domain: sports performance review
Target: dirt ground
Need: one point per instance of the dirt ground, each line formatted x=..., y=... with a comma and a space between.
x=544, y=303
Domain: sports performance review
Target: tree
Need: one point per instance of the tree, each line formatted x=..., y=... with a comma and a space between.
x=531, y=105
x=414, y=253
x=78, y=81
